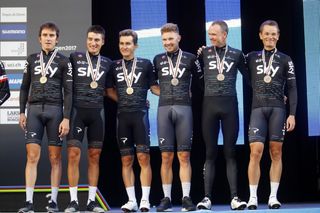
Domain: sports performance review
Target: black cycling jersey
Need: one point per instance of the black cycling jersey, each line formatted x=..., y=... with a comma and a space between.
x=179, y=94
x=282, y=73
x=4, y=85
x=59, y=76
x=83, y=95
x=234, y=60
x=143, y=78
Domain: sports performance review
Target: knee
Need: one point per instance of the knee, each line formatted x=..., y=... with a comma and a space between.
x=256, y=154
x=127, y=161
x=55, y=158
x=229, y=153
x=144, y=159
x=73, y=156
x=275, y=154
x=167, y=158
x=184, y=158
x=94, y=155
x=33, y=157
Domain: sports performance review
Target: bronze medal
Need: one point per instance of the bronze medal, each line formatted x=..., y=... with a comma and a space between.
x=129, y=90
x=94, y=84
x=43, y=79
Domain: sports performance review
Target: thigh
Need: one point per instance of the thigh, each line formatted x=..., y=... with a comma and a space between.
x=277, y=124
x=35, y=125
x=54, y=116
x=141, y=131
x=258, y=126
x=183, y=127
x=124, y=134
x=95, y=128
x=77, y=128
x=166, y=135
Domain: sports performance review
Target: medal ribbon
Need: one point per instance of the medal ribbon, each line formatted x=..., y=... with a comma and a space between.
x=125, y=72
x=45, y=69
x=220, y=62
x=93, y=74
x=175, y=69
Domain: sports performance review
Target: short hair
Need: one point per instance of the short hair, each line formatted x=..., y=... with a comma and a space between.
x=270, y=23
x=97, y=29
x=169, y=27
x=51, y=26
x=223, y=25
x=129, y=32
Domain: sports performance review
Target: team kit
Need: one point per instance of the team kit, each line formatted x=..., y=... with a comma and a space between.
x=64, y=96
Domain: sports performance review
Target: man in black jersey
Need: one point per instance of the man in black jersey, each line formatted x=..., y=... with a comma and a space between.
x=174, y=69
x=47, y=88
x=130, y=79
x=89, y=78
x=220, y=63
x=4, y=85
x=270, y=71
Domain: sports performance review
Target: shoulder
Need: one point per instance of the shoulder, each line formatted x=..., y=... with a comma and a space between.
x=188, y=55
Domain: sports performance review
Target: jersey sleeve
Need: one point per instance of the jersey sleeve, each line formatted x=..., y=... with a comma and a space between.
x=243, y=68
x=155, y=69
x=25, y=86
x=110, y=80
x=4, y=85
x=67, y=88
x=150, y=74
x=197, y=73
x=292, y=86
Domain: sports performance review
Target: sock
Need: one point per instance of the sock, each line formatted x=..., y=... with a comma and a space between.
x=29, y=194
x=74, y=193
x=54, y=193
x=92, y=194
x=274, y=189
x=131, y=193
x=167, y=190
x=253, y=191
x=185, y=189
x=145, y=192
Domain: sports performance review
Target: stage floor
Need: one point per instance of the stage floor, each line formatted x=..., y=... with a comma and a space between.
x=286, y=208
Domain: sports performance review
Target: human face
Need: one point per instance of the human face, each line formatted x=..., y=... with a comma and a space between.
x=48, y=39
x=217, y=36
x=95, y=42
x=269, y=37
x=127, y=47
x=170, y=41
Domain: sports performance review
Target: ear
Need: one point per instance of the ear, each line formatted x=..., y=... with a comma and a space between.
x=179, y=37
x=260, y=35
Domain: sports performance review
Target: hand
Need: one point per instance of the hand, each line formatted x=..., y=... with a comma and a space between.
x=148, y=103
x=64, y=128
x=285, y=98
x=290, y=123
x=199, y=51
x=23, y=121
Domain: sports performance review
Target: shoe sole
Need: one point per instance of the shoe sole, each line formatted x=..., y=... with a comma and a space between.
x=274, y=206
x=188, y=210
x=241, y=207
x=252, y=207
x=128, y=210
x=203, y=207
x=144, y=209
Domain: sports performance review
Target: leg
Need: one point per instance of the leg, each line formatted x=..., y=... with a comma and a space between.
x=145, y=178
x=33, y=156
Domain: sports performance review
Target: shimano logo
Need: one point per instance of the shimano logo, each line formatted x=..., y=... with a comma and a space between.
x=163, y=63
x=13, y=31
x=82, y=62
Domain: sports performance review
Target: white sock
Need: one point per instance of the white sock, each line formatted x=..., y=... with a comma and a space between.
x=253, y=191
x=29, y=194
x=92, y=194
x=274, y=189
x=185, y=189
x=54, y=193
x=145, y=192
x=167, y=190
x=74, y=193
x=131, y=193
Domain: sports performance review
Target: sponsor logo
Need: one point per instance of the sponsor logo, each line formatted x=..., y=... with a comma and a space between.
x=13, y=32
x=78, y=129
x=85, y=71
x=13, y=101
x=136, y=76
x=13, y=48
x=226, y=66
x=15, y=81
x=9, y=116
x=124, y=140
x=161, y=140
x=13, y=14
x=166, y=71
x=273, y=70
x=14, y=64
